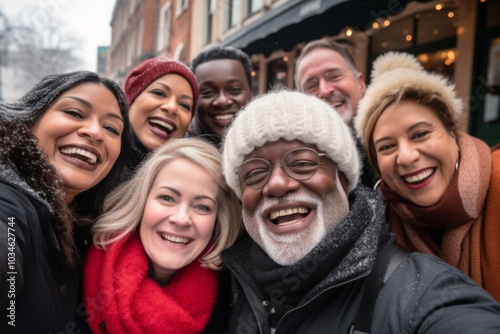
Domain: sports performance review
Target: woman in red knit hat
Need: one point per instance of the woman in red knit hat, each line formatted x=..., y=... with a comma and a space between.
x=162, y=94
x=155, y=266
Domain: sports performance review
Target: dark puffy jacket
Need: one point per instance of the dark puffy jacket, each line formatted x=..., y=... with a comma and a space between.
x=423, y=295
x=42, y=296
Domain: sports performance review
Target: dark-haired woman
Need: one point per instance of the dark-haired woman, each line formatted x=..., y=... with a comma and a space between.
x=60, y=153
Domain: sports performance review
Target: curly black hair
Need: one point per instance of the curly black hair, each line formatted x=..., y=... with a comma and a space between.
x=20, y=152
x=36, y=101
x=224, y=52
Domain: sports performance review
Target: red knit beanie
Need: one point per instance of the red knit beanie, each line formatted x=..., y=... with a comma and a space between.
x=150, y=70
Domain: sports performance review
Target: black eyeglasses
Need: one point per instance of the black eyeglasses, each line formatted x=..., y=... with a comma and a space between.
x=300, y=164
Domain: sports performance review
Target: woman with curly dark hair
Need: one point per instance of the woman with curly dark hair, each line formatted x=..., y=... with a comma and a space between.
x=61, y=151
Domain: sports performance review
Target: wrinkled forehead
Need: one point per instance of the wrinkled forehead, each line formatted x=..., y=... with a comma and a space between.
x=276, y=149
x=321, y=59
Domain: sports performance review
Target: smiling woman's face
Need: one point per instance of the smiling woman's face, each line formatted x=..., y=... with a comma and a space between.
x=179, y=217
x=416, y=154
x=80, y=133
x=162, y=111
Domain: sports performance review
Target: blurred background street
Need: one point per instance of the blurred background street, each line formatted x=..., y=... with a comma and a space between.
x=457, y=38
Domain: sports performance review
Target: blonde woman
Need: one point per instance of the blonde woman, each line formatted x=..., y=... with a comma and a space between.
x=155, y=263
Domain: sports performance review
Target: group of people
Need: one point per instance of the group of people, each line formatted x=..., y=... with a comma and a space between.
x=73, y=143
x=185, y=205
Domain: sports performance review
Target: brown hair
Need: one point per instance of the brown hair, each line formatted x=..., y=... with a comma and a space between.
x=429, y=99
x=325, y=43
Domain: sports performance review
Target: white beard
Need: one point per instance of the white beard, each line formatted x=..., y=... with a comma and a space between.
x=287, y=249
x=347, y=114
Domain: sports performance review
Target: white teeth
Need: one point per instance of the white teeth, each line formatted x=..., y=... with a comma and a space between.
x=92, y=158
x=287, y=212
x=419, y=176
x=174, y=239
x=337, y=104
x=162, y=123
x=224, y=117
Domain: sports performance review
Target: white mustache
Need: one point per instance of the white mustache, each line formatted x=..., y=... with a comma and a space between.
x=268, y=203
x=335, y=96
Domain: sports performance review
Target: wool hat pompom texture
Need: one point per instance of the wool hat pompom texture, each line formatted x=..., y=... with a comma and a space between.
x=150, y=70
x=291, y=116
x=395, y=71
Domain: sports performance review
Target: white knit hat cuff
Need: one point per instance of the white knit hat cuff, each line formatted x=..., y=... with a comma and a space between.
x=290, y=116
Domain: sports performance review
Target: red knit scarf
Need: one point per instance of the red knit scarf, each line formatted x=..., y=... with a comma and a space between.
x=119, y=292
x=468, y=214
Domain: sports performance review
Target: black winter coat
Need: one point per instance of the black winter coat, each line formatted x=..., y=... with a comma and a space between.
x=423, y=295
x=37, y=294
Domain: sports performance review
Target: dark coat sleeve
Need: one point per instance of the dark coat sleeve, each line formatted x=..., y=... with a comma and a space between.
x=220, y=316
x=425, y=295
x=45, y=292
x=18, y=216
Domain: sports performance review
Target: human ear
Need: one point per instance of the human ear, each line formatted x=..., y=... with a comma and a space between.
x=343, y=182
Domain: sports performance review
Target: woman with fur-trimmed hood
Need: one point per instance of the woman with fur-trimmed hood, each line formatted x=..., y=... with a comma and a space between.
x=441, y=185
x=60, y=152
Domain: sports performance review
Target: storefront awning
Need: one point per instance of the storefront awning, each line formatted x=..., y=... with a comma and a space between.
x=299, y=21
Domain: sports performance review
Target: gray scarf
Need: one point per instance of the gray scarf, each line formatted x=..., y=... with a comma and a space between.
x=346, y=252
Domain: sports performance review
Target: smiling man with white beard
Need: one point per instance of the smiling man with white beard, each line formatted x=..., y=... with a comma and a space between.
x=315, y=234
x=277, y=245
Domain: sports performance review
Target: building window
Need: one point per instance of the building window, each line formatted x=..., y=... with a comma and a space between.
x=164, y=31
x=395, y=35
x=210, y=20
x=492, y=17
x=131, y=47
x=255, y=74
x=441, y=61
x=182, y=5
x=139, y=33
x=421, y=29
x=436, y=25
x=233, y=8
x=132, y=5
x=254, y=6
x=180, y=54
x=492, y=97
x=277, y=71
x=102, y=58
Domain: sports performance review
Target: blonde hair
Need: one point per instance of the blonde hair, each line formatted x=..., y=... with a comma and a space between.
x=124, y=206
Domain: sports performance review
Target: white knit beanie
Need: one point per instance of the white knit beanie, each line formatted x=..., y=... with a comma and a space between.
x=396, y=71
x=291, y=116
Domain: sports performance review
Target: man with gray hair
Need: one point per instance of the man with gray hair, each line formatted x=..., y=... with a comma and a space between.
x=315, y=235
x=326, y=70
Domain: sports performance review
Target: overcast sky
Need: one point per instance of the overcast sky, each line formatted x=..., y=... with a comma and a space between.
x=89, y=20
